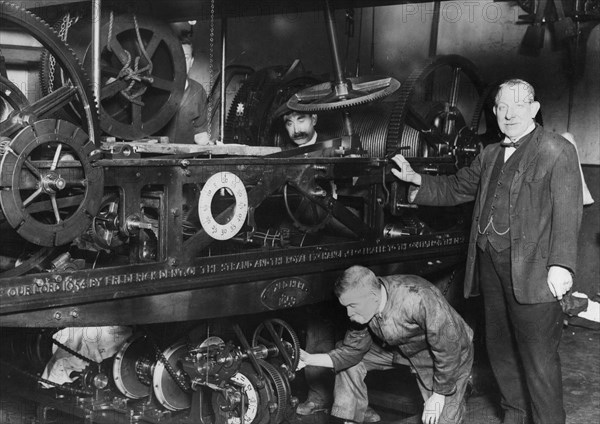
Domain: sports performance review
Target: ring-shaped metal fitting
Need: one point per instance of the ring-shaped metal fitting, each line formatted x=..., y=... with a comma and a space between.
x=234, y=185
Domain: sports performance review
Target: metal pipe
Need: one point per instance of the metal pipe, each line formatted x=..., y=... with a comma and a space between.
x=96, y=13
x=435, y=28
x=340, y=85
x=335, y=55
x=373, y=40
x=357, y=69
x=223, y=82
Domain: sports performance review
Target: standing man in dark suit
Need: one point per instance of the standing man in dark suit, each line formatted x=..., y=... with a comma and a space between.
x=190, y=123
x=526, y=219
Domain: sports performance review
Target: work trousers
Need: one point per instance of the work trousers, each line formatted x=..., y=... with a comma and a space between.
x=522, y=343
x=320, y=338
x=350, y=391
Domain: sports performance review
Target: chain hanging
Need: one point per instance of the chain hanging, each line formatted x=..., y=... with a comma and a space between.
x=63, y=33
x=211, y=48
x=177, y=378
x=74, y=353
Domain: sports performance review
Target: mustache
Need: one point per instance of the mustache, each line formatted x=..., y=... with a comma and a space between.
x=298, y=135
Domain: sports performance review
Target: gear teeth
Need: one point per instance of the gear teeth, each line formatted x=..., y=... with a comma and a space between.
x=344, y=104
x=282, y=390
x=399, y=113
x=259, y=96
x=46, y=35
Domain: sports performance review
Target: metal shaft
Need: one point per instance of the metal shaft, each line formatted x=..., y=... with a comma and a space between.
x=335, y=54
x=340, y=85
x=96, y=13
x=223, y=61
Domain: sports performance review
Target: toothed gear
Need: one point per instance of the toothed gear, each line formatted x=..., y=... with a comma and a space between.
x=11, y=15
x=400, y=133
x=357, y=91
x=27, y=256
x=49, y=190
x=281, y=390
x=274, y=333
x=252, y=113
x=48, y=72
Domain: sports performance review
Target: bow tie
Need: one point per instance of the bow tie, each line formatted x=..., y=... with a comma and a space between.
x=514, y=144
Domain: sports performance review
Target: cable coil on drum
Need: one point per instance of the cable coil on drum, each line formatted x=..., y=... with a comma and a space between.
x=424, y=118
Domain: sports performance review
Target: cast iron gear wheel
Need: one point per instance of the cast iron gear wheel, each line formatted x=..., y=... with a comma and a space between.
x=246, y=384
x=278, y=333
x=83, y=99
x=252, y=115
x=281, y=390
x=49, y=190
x=143, y=72
x=420, y=117
x=306, y=215
x=353, y=92
x=27, y=256
x=11, y=94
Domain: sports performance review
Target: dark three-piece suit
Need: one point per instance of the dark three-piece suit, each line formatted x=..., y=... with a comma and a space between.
x=526, y=218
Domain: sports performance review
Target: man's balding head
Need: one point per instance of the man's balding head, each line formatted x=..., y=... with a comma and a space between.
x=515, y=107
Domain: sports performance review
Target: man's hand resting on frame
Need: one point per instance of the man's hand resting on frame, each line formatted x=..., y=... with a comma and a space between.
x=405, y=171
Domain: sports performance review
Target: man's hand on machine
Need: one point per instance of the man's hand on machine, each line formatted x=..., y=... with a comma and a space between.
x=314, y=359
x=405, y=171
x=302, y=361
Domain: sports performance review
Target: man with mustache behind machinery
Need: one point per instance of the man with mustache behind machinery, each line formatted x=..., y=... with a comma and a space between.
x=301, y=128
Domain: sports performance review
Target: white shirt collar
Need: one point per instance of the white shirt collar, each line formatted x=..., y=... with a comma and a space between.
x=529, y=129
x=313, y=140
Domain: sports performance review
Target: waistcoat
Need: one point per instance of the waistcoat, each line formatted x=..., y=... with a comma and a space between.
x=494, y=224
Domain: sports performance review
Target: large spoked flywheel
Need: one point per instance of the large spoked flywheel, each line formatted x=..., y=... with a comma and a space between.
x=436, y=104
x=76, y=93
x=276, y=333
x=49, y=189
x=143, y=71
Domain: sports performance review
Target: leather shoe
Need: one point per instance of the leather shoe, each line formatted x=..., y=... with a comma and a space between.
x=309, y=407
x=371, y=416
